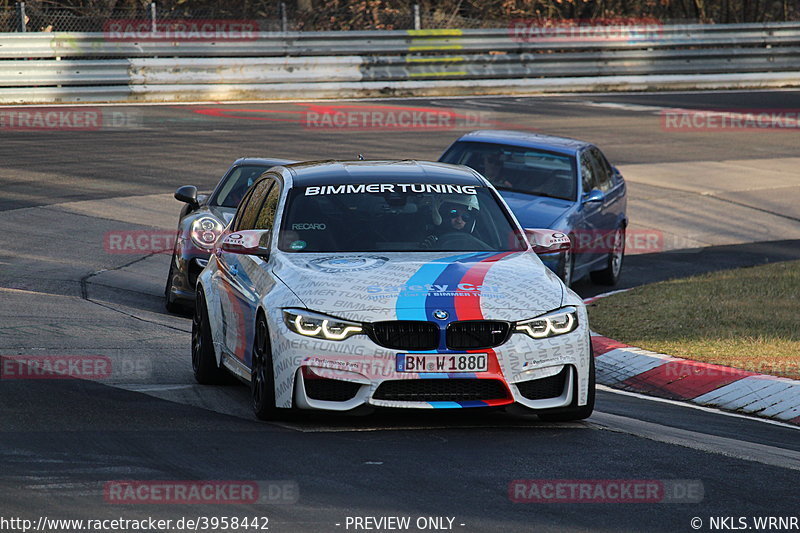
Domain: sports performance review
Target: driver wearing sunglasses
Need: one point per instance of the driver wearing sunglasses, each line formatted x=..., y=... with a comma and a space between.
x=455, y=214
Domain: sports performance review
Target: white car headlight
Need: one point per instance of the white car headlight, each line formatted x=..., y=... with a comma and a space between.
x=205, y=231
x=320, y=326
x=551, y=324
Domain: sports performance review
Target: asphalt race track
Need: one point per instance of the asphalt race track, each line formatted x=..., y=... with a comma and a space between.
x=706, y=199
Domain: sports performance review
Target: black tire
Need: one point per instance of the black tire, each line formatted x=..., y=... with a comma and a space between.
x=204, y=360
x=262, y=375
x=611, y=273
x=169, y=302
x=566, y=268
x=573, y=412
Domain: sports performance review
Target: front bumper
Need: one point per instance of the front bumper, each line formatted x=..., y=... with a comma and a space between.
x=340, y=376
x=187, y=267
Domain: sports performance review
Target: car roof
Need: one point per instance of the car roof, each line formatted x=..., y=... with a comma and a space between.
x=527, y=139
x=262, y=161
x=334, y=172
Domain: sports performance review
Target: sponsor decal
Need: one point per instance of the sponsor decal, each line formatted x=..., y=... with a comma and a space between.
x=461, y=289
x=346, y=366
x=371, y=188
x=309, y=226
x=298, y=245
x=346, y=263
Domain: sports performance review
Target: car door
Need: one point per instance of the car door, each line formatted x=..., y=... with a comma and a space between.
x=237, y=275
x=613, y=187
x=590, y=221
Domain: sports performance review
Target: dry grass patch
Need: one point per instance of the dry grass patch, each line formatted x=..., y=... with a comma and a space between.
x=747, y=318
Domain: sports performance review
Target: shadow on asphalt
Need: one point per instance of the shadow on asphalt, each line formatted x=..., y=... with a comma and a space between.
x=650, y=268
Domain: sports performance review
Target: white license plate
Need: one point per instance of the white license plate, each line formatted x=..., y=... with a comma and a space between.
x=471, y=362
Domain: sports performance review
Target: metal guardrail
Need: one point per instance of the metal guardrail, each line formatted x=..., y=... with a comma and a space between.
x=52, y=67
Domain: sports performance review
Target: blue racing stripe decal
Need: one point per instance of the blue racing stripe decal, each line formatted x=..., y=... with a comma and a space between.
x=450, y=277
x=473, y=403
x=445, y=405
x=458, y=405
x=411, y=305
x=443, y=375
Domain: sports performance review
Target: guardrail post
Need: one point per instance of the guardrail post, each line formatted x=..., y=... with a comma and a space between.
x=22, y=24
x=417, y=24
x=153, y=17
x=284, y=21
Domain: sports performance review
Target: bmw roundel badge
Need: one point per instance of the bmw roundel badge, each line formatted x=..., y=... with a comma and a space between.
x=440, y=314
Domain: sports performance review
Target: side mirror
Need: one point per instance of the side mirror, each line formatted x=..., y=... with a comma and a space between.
x=547, y=241
x=247, y=242
x=188, y=194
x=593, y=196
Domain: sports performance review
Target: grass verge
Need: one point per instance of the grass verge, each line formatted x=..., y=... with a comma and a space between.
x=747, y=318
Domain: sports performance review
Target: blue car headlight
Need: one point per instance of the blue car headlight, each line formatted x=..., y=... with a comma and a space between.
x=552, y=324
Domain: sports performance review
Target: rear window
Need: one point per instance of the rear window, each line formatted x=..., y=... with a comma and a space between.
x=518, y=169
x=379, y=216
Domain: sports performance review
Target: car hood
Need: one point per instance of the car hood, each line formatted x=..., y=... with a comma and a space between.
x=412, y=286
x=225, y=214
x=535, y=211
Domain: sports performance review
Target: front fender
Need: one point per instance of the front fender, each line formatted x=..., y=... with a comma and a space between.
x=204, y=283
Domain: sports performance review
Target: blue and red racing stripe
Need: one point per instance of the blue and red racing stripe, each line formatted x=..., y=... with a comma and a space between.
x=454, y=283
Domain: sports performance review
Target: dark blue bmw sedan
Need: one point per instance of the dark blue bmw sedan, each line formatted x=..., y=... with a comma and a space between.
x=559, y=183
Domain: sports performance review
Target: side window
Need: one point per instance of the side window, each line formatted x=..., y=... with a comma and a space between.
x=237, y=220
x=602, y=171
x=266, y=217
x=250, y=211
x=587, y=173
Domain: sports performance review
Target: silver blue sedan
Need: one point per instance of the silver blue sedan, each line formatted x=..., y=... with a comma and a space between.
x=558, y=183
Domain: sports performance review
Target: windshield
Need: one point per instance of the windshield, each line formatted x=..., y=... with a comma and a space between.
x=372, y=217
x=235, y=184
x=519, y=169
